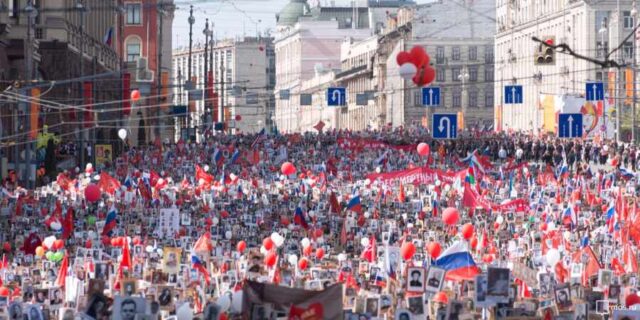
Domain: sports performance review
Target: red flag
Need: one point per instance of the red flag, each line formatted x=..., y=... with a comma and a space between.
x=67, y=227
x=592, y=265
x=471, y=199
x=63, y=181
x=343, y=233
x=401, y=196
x=108, y=183
x=335, y=205
x=629, y=259
x=126, y=256
x=561, y=272
x=201, y=174
x=616, y=266
x=62, y=274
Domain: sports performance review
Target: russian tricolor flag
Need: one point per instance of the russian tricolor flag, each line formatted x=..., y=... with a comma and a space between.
x=217, y=156
x=299, y=218
x=458, y=262
x=111, y=222
x=612, y=220
x=355, y=205
x=197, y=264
x=235, y=156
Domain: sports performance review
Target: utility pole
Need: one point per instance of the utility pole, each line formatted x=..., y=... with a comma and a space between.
x=160, y=99
x=206, y=33
x=222, y=94
x=212, y=99
x=32, y=13
x=192, y=20
x=80, y=8
x=464, y=76
x=619, y=87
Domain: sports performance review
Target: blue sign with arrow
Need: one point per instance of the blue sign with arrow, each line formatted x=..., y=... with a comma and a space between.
x=431, y=96
x=444, y=126
x=336, y=97
x=570, y=125
x=513, y=94
x=594, y=91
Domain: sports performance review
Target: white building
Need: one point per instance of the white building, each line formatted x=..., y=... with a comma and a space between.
x=243, y=71
x=309, y=44
x=576, y=23
x=459, y=40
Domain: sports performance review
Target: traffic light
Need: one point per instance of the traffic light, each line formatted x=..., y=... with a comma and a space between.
x=546, y=55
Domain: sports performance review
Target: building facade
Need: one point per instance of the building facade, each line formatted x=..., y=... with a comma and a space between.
x=144, y=44
x=589, y=27
x=243, y=79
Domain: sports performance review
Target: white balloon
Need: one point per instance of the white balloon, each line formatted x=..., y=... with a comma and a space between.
x=407, y=71
x=364, y=242
x=311, y=213
x=367, y=182
x=447, y=187
x=293, y=259
x=228, y=234
x=320, y=240
x=122, y=134
x=342, y=257
x=206, y=168
x=215, y=221
x=88, y=166
x=500, y=220
x=149, y=249
x=378, y=170
x=224, y=302
x=519, y=153
x=160, y=252
x=91, y=234
x=551, y=226
x=236, y=302
x=553, y=256
x=305, y=242
x=96, y=177
x=438, y=183
x=367, y=214
x=48, y=241
x=263, y=250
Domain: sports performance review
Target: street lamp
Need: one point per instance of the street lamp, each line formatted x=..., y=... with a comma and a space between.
x=634, y=16
x=207, y=33
x=603, y=31
x=464, y=76
x=191, y=20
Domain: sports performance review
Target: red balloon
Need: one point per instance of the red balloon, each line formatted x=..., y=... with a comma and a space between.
x=136, y=241
x=223, y=316
x=440, y=297
x=267, y=243
x=419, y=56
x=58, y=244
x=424, y=76
x=407, y=250
x=496, y=225
x=241, y=246
x=319, y=253
x=92, y=193
x=423, y=149
x=270, y=259
x=135, y=95
x=284, y=220
x=224, y=214
x=114, y=242
x=467, y=231
x=88, y=244
x=6, y=246
x=319, y=233
x=543, y=226
x=403, y=57
x=487, y=258
x=307, y=251
x=450, y=216
x=434, y=249
x=474, y=242
x=493, y=249
x=4, y=292
x=303, y=263
x=288, y=168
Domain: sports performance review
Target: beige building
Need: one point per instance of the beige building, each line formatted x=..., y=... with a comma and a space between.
x=588, y=27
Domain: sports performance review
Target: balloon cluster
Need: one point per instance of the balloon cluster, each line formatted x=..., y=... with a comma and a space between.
x=414, y=65
x=51, y=248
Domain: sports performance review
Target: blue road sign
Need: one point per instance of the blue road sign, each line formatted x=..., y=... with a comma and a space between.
x=594, y=91
x=445, y=126
x=513, y=94
x=431, y=96
x=336, y=97
x=570, y=125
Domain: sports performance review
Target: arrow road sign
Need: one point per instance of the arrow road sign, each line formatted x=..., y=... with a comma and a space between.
x=445, y=126
x=594, y=91
x=513, y=94
x=570, y=125
x=336, y=97
x=431, y=96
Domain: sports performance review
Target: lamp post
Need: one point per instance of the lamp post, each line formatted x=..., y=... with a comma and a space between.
x=81, y=9
x=207, y=33
x=603, y=31
x=192, y=20
x=634, y=16
x=32, y=13
x=464, y=76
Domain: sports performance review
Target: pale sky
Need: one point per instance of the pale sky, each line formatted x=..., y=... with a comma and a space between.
x=231, y=17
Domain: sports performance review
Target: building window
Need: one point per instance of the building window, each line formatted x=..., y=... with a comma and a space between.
x=488, y=54
x=628, y=20
x=134, y=13
x=488, y=97
x=455, y=72
x=473, y=53
x=417, y=97
x=457, y=99
x=439, y=55
x=440, y=75
x=627, y=50
x=455, y=53
x=133, y=50
x=488, y=74
x=473, y=74
x=473, y=98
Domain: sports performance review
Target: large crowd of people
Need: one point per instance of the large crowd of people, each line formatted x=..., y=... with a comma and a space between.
x=335, y=225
